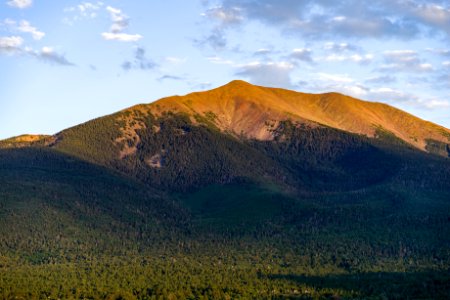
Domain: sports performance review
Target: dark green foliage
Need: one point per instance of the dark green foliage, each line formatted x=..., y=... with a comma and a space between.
x=386, y=137
x=93, y=141
x=50, y=202
x=328, y=159
x=238, y=207
x=315, y=214
x=193, y=156
x=437, y=147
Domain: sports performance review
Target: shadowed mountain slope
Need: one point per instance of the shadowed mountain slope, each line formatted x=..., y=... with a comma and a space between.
x=242, y=192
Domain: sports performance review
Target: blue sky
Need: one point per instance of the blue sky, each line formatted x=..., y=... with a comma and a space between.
x=65, y=62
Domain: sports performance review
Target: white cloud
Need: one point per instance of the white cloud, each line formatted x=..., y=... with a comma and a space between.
x=11, y=42
x=223, y=17
x=20, y=3
x=381, y=79
x=122, y=37
x=356, y=58
x=11, y=45
x=344, y=84
x=276, y=74
x=354, y=90
x=401, y=55
x=220, y=61
x=226, y=16
x=85, y=10
x=434, y=15
x=175, y=60
x=120, y=23
x=25, y=26
x=340, y=47
x=331, y=19
x=302, y=54
x=341, y=83
x=120, y=20
x=443, y=52
x=262, y=51
x=435, y=104
x=49, y=55
x=85, y=7
x=339, y=19
x=390, y=95
x=335, y=77
x=446, y=64
x=404, y=61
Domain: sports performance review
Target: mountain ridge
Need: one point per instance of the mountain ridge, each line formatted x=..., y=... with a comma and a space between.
x=246, y=110
x=240, y=107
x=180, y=189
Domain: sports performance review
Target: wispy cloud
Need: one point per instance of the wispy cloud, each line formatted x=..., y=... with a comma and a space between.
x=386, y=94
x=226, y=16
x=350, y=18
x=275, y=74
x=302, y=54
x=120, y=22
x=139, y=62
x=223, y=17
x=220, y=61
x=384, y=79
x=443, y=52
x=335, y=77
x=340, y=47
x=24, y=26
x=11, y=44
x=404, y=61
x=433, y=15
x=175, y=60
x=356, y=58
x=216, y=39
x=262, y=52
x=20, y=3
x=121, y=37
x=49, y=55
x=171, y=77
x=85, y=10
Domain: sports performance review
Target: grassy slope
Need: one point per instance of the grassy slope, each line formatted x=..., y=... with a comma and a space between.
x=242, y=107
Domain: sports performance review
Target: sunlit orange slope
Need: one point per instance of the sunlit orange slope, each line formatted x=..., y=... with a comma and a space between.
x=243, y=108
x=22, y=140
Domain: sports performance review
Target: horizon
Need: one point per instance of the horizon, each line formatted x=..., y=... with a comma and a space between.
x=66, y=63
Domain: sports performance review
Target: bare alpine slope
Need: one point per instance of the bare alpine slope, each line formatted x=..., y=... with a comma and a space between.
x=250, y=110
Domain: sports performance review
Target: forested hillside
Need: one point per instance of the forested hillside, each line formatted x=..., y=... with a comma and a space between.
x=169, y=205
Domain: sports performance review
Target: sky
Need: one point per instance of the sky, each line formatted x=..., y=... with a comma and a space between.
x=66, y=62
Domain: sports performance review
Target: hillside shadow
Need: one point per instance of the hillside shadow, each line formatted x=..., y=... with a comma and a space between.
x=383, y=285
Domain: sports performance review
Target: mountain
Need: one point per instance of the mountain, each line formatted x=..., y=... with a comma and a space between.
x=233, y=132
x=242, y=108
x=238, y=192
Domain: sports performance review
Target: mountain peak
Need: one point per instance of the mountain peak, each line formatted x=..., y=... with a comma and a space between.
x=238, y=83
x=253, y=111
x=246, y=109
